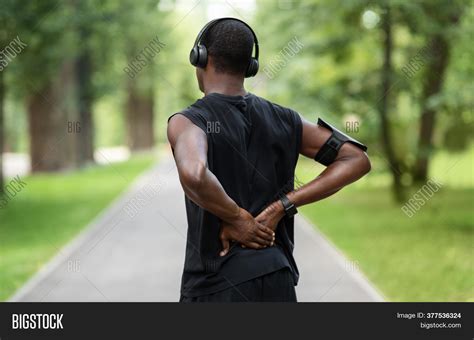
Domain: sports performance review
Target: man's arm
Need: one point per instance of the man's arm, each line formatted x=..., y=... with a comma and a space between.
x=189, y=144
x=350, y=164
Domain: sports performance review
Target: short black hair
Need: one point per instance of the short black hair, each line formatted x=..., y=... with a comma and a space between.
x=230, y=43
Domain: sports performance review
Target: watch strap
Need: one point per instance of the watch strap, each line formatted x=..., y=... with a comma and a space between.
x=288, y=206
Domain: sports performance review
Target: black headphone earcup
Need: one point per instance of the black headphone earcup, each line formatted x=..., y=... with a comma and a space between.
x=198, y=56
x=252, y=69
x=194, y=56
x=202, y=59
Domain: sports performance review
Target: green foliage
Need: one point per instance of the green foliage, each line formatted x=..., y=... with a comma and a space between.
x=43, y=26
x=111, y=33
x=337, y=73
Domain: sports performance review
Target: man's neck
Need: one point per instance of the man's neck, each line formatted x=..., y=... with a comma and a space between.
x=227, y=85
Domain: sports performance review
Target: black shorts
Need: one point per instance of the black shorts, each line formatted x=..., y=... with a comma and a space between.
x=274, y=287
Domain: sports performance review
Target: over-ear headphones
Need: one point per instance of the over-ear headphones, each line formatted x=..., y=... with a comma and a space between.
x=198, y=54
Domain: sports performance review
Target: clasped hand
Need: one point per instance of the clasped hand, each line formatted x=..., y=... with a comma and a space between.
x=250, y=232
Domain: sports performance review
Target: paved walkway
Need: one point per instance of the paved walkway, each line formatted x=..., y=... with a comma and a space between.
x=134, y=251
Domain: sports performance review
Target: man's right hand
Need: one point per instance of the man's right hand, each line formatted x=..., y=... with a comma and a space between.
x=245, y=230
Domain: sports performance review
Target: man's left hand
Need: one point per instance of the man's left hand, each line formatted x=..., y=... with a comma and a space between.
x=271, y=215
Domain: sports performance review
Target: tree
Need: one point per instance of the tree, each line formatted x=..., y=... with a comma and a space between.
x=94, y=32
x=44, y=70
x=6, y=28
x=2, y=133
x=445, y=17
x=386, y=76
x=84, y=72
x=139, y=116
x=353, y=62
x=59, y=78
x=140, y=50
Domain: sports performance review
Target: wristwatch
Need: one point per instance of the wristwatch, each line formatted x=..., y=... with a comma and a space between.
x=288, y=206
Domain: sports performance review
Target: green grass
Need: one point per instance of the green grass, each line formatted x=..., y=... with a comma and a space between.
x=428, y=257
x=50, y=210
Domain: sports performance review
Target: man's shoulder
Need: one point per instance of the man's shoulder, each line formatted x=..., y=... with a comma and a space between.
x=195, y=109
x=277, y=108
x=195, y=113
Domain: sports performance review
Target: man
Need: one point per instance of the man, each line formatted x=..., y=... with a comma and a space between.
x=236, y=154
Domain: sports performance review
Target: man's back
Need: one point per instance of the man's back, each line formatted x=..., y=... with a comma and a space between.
x=253, y=147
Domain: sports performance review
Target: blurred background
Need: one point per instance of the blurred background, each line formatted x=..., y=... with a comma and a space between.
x=86, y=87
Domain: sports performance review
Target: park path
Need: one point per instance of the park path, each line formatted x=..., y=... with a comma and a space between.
x=134, y=251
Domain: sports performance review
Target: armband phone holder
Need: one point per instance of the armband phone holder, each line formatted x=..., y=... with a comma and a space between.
x=328, y=152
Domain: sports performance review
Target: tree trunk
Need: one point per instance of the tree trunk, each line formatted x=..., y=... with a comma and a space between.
x=386, y=135
x=85, y=98
x=2, y=132
x=70, y=131
x=436, y=68
x=45, y=124
x=52, y=117
x=140, y=117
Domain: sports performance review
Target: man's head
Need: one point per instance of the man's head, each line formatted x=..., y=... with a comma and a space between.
x=229, y=44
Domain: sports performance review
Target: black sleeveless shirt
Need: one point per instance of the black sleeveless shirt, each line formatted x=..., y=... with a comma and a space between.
x=253, y=148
